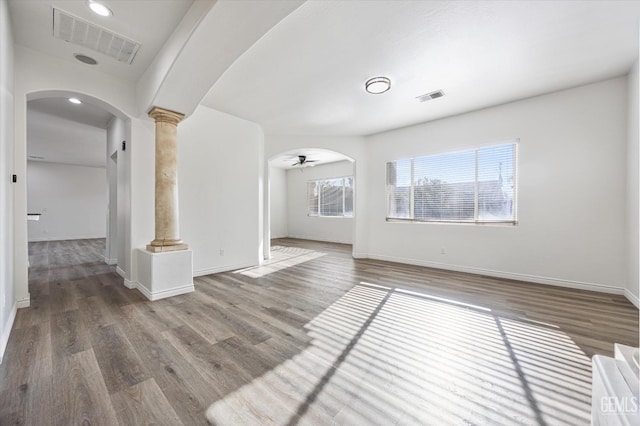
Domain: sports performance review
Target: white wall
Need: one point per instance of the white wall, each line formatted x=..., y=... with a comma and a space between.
x=633, y=189
x=7, y=294
x=72, y=201
x=60, y=140
x=571, y=191
x=300, y=224
x=118, y=211
x=278, y=202
x=218, y=180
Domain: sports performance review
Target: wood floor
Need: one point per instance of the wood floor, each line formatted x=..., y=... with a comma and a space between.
x=313, y=337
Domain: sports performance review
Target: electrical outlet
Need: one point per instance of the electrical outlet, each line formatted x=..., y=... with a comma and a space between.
x=221, y=252
x=443, y=251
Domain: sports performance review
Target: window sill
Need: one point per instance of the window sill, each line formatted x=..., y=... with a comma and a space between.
x=454, y=222
x=331, y=217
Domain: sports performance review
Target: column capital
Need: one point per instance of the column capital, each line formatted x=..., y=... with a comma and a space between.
x=161, y=115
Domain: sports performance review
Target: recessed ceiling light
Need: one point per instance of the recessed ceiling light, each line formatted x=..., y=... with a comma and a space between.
x=75, y=101
x=99, y=9
x=377, y=85
x=85, y=59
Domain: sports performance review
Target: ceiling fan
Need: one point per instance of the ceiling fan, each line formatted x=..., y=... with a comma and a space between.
x=302, y=161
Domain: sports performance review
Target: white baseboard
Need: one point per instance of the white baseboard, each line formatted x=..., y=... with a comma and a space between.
x=165, y=293
x=225, y=268
x=110, y=261
x=120, y=272
x=23, y=303
x=324, y=240
x=632, y=298
x=130, y=284
x=6, y=332
x=602, y=288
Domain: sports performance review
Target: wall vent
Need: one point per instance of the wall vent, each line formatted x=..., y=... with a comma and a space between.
x=82, y=33
x=429, y=96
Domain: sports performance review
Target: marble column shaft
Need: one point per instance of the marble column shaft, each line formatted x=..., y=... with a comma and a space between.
x=167, y=230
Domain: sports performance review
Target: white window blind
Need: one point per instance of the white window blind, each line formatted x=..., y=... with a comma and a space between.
x=476, y=186
x=330, y=197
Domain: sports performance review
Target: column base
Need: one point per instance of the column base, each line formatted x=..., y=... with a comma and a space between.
x=157, y=247
x=163, y=275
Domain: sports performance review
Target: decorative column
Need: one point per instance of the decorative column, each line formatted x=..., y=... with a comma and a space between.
x=167, y=229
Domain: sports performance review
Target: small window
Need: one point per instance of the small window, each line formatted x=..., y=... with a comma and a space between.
x=474, y=186
x=330, y=197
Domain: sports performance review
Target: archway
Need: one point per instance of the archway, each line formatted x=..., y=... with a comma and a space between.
x=119, y=130
x=335, y=165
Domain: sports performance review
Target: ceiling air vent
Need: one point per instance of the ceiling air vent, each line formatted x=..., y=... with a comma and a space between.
x=82, y=33
x=429, y=96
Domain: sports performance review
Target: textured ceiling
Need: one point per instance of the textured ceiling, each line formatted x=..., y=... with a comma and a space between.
x=306, y=76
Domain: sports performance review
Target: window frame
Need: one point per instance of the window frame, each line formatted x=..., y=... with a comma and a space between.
x=344, y=197
x=475, y=220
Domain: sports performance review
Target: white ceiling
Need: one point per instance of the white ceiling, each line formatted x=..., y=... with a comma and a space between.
x=318, y=156
x=85, y=113
x=306, y=76
x=149, y=22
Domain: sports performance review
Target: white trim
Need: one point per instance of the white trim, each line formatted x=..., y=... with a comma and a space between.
x=110, y=261
x=165, y=293
x=66, y=238
x=4, y=340
x=632, y=298
x=120, y=272
x=23, y=303
x=602, y=288
x=131, y=284
x=324, y=240
x=225, y=268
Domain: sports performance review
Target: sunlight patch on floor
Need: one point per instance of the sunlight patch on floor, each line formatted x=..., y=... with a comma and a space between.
x=382, y=355
x=281, y=258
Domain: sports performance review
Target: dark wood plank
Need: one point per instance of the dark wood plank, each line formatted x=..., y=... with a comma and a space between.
x=144, y=404
x=68, y=334
x=80, y=392
x=120, y=365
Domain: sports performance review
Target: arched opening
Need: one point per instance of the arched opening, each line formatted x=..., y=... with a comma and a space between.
x=310, y=195
x=74, y=157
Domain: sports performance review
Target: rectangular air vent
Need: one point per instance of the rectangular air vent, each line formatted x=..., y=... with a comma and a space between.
x=429, y=96
x=82, y=33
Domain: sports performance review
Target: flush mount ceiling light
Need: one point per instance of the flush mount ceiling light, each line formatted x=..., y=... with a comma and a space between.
x=75, y=101
x=85, y=59
x=99, y=8
x=377, y=85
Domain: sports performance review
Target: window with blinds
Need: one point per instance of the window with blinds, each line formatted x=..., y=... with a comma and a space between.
x=330, y=197
x=475, y=186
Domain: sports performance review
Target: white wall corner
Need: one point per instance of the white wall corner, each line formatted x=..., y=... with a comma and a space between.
x=120, y=272
x=131, y=284
x=4, y=340
x=24, y=302
x=632, y=298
